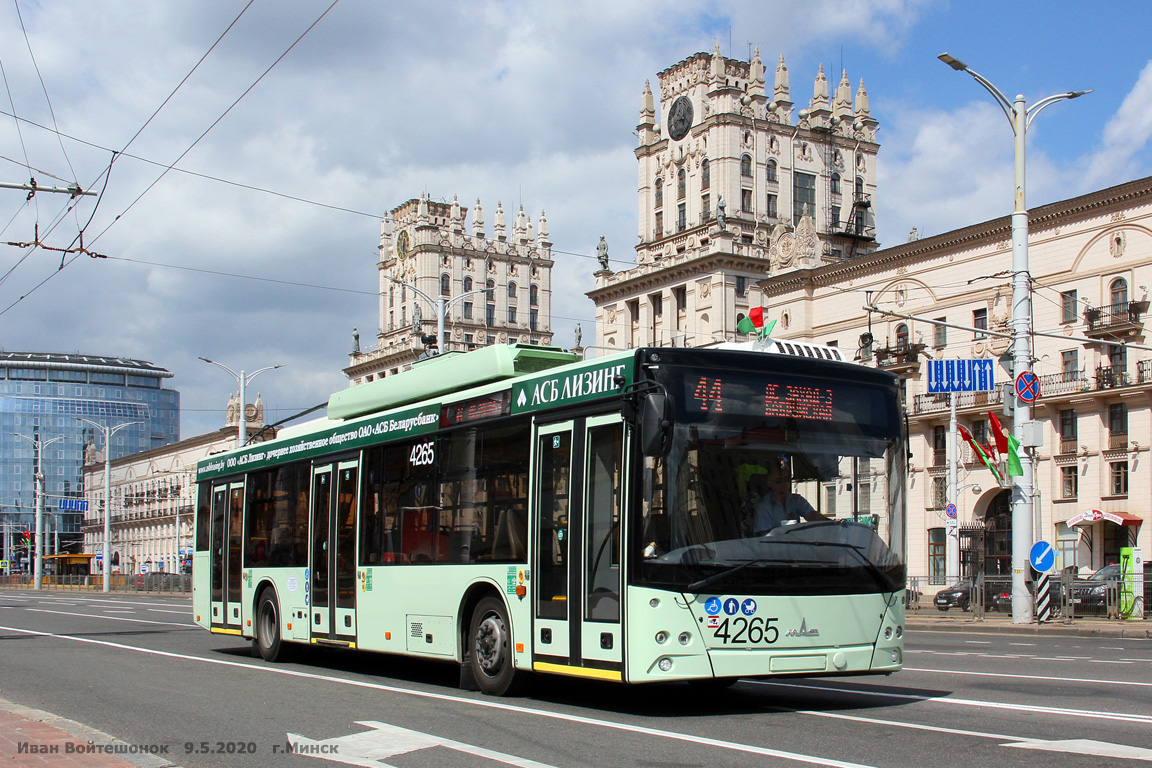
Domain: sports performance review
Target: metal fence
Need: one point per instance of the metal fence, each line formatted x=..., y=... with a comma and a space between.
x=146, y=582
x=1071, y=598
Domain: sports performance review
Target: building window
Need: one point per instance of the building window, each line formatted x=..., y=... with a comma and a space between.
x=746, y=165
x=980, y=323
x=1068, y=432
x=705, y=175
x=940, y=337
x=467, y=310
x=511, y=315
x=939, y=445
x=859, y=188
x=706, y=206
x=467, y=284
x=1118, y=359
x=512, y=291
x=659, y=224
x=534, y=295
x=771, y=209
x=835, y=217
x=746, y=200
x=937, y=555
x=939, y=492
x=803, y=196
x=901, y=337
x=741, y=286
x=1070, y=362
x=980, y=431
x=1068, y=307
x=659, y=192
x=490, y=314
x=681, y=184
x=533, y=319
x=1118, y=419
x=835, y=184
x=1069, y=482
x=1119, y=478
x=770, y=171
x=681, y=218
x=1119, y=291
x=830, y=500
x=445, y=285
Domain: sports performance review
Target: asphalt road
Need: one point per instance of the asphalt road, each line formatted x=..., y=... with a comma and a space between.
x=137, y=667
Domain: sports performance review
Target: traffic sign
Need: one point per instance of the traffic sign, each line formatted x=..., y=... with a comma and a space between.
x=74, y=505
x=1042, y=556
x=1027, y=386
x=960, y=376
x=950, y=510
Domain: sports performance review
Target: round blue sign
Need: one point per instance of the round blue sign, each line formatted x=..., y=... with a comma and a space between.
x=712, y=606
x=950, y=510
x=1027, y=386
x=1042, y=557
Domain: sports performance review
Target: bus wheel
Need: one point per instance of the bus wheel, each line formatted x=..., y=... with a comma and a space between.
x=489, y=644
x=267, y=641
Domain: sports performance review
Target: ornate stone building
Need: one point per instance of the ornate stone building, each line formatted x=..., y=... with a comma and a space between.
x=731, y=189
x=495, y=290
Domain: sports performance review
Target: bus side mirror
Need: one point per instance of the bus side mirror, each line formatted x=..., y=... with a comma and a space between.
x=655, y=425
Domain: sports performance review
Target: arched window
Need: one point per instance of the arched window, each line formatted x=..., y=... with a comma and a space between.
x=705, y=175
x=512, y=291
x=835, y=184
x=1119, y=291
x=467, y=284
x=770, y=170
x=445, y=285
x=489, y=286
x=659, y=192
x=681, y=183
x=859, y=187
x=746, y=165
x=902, y=336
x=534, y=295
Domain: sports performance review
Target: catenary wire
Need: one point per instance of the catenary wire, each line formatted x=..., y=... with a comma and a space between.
x=43, y=86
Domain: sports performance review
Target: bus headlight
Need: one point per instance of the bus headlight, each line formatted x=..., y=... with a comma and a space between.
x=665, y=664
x=887, y=633
x=661, y=637
x=685, y=638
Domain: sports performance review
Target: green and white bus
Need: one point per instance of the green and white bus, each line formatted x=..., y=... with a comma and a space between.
x=518, y=509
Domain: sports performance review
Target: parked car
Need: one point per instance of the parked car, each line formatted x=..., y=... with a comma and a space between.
x=959, y=595
x=162, y=581
x=1092, y=596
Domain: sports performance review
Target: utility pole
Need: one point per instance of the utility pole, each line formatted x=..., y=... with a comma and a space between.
x=108, y=432
x=38, y=449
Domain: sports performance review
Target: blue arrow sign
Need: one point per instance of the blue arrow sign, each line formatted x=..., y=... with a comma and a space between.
x=1042, y=556
x=960, y=376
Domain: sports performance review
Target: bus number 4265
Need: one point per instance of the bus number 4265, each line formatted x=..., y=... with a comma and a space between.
x=742, y=630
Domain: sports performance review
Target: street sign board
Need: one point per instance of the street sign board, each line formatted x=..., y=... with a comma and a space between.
x=960, y=376
x=1042, y=556
x=1027, y=387
x=950, y=510
x=74, y=505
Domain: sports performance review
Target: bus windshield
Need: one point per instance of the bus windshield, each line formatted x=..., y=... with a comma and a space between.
x=782, y=482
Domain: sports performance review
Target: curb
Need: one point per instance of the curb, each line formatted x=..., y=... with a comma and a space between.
x=1139, y=630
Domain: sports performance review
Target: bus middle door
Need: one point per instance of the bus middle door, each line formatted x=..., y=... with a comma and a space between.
x=576, y=578
x=226, y=544
x=333, y=552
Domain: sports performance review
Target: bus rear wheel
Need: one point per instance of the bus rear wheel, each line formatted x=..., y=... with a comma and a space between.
x=490, y=649
x=267, y=642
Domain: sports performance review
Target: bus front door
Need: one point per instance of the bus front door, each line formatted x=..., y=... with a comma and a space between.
x=226, y=545
x=333, y=552
x=576, y=580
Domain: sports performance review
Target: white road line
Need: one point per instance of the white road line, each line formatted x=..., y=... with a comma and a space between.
x=978, y=642
x=1108, y=661
x=1046, y=678
x=185, y=612
x=1015, y=707
x=485, y=703
x=1028, y=644
x=110, y=618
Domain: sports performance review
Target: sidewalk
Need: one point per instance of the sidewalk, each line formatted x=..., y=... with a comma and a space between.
x=994, y=621
x=31, y=737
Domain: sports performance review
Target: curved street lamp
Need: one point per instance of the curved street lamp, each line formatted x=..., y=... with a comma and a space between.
x=442, y=307
x=1020, y=117
x=108, y=432
x=38, y=558
x=242, y=379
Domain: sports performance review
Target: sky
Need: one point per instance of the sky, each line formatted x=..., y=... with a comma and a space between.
x=258, y=247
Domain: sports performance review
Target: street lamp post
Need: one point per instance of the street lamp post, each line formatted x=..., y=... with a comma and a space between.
x=108, y=432
x=242, y=379
x=1020, y=116
x=38, y=450
x=442, y=307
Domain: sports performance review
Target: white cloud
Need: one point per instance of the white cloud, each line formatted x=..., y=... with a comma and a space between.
x=1126, y=134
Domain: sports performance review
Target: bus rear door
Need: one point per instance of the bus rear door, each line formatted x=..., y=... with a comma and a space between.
x=333, y=552
x=576, y=579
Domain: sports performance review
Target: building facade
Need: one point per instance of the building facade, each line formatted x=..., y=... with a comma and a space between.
x=42, y=398
x=731, y=188
x=495, y=290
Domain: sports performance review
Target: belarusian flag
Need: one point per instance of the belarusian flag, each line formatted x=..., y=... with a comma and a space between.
x=1007, y=445
x=754, y=323
x=979, y=451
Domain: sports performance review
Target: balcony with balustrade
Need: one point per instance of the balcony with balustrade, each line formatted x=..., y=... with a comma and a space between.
x=1115, y=321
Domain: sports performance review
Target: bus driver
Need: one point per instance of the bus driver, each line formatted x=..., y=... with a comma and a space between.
x=780, y=504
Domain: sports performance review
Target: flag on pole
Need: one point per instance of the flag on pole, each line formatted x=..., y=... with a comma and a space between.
x=1008, y=446
x=979, y=451
x=754, y=323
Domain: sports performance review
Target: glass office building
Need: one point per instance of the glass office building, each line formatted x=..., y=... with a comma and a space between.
x=43, y=397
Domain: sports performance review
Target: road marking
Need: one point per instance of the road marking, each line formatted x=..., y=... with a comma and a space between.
x=978, y=642
x=368, y=748
x=109, y=618
x=1028, y=644
x=1074, y=746
x=1108, y=661
x=187, y=612
x=1078, y=713
x=1047, y=678
x=485, y=703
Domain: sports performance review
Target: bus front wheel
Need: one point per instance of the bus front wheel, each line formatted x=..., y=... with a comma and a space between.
x=490, y=648
x=267, y=642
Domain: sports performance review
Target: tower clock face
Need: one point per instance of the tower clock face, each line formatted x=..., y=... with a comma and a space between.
x=680, y=118
x=402, y=244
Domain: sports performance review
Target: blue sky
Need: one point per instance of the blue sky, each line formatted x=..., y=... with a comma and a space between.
x=516, y=102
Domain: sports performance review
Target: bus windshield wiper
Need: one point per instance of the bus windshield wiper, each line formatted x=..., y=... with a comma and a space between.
x=881, y=577
x=710, y=580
